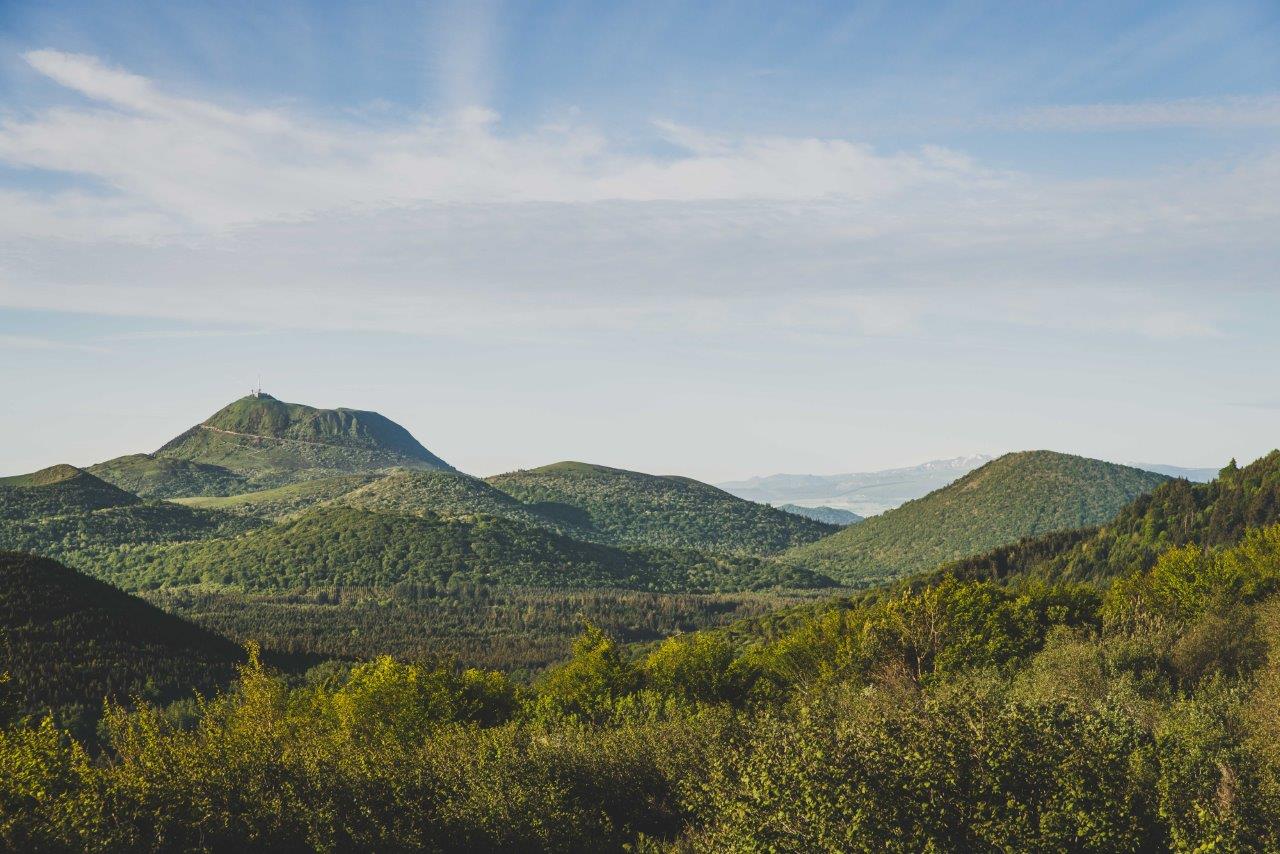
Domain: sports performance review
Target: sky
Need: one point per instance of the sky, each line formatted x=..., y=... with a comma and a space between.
x=714, y=239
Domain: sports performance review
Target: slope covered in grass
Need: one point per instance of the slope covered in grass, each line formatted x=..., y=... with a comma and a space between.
x=282, y=501
x=1011, y=497
x=1176, y=513
x=631, y=508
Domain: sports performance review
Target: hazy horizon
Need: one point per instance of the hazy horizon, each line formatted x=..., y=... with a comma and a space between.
x=709, y=240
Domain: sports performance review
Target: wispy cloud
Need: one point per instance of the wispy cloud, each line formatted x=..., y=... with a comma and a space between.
x=1217, y=112
x=451, y=225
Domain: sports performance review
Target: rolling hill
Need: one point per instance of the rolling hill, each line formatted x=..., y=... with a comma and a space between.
x=67, y=513
x=630, y=508
x=270, y=443
x=1014, y=496
x=349, y=547
x=70, y=641
x=1176, y=513
x=57, y=491
x=451, y=495
x=161, y=477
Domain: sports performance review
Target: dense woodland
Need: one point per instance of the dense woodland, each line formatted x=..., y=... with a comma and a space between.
x=517, y=630
x=961, y=716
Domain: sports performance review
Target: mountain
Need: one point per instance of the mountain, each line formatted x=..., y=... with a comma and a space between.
x=829, y=515
x=631, y=508
x=1014, y=496
x=1176, y=513
x=267, y=443
x=1196, y=475
x=70, y=641
x=160, y=477
x=863, y=493
x=56, y=491
x=350, y=547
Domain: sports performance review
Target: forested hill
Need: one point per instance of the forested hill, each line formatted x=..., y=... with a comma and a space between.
x=164, y=477
x=830, y=515
x=1015, y=496
x=1176, y=513
x=69, y=641
x=56, y=491
x=270, y=443
x=410, y=492
x=631, y=508
x=349, y=547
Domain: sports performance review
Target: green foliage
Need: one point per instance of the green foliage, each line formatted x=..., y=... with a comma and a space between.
x=629, y=508
x=518, y=630
x=338, y=546
x=1011, y=497
x=1176, y=513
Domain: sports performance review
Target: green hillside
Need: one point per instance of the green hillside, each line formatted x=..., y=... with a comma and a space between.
x=829, y=515
x=281, y=501
x=343, y=546
x=271, y=443
x=454, y=495
x=1011, y=497
x=57, y=490
x=164, y=477
x=69, y=514
x=1176, y=513
x=630, y=508
x=70, y=641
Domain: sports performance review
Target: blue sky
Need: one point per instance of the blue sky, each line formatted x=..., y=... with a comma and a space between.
x=715, y=239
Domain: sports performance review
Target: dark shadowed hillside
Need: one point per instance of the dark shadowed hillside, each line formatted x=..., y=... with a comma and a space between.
x=70, y=641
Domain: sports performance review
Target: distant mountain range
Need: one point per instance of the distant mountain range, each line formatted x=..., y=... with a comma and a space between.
x=862, y=493
x=1195, y=475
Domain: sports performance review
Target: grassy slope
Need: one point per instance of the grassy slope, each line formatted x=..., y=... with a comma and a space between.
x=1014, y=496
x=161, y=477
x=1178, y=512
x=71, y=641
x=329, y=546
x=282, y=501
x=630, y=508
